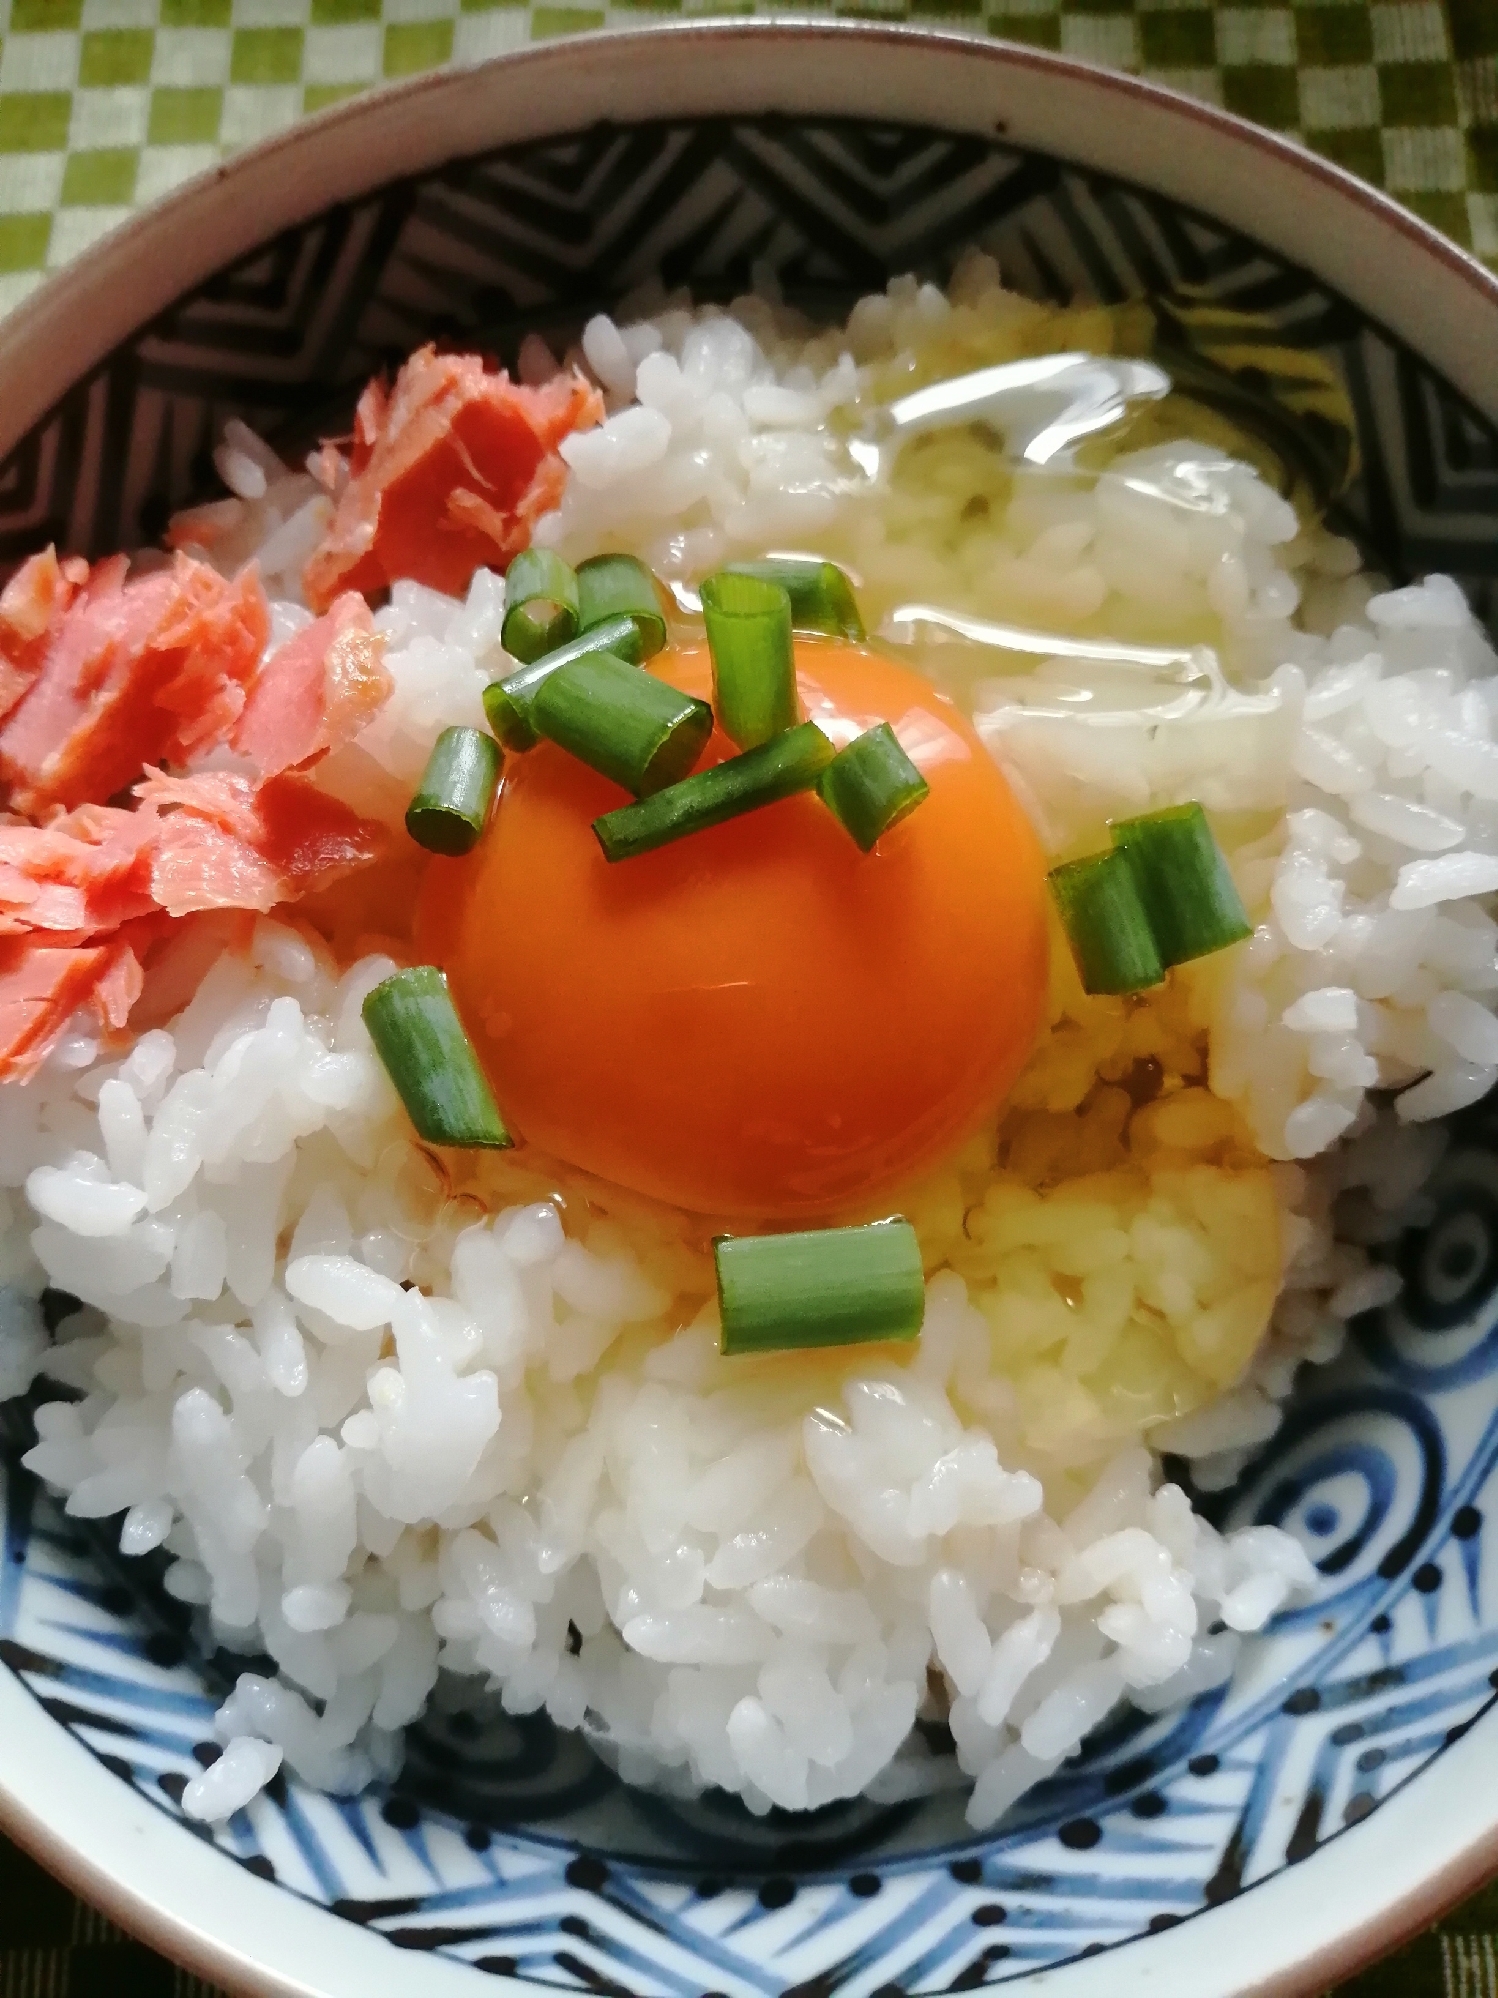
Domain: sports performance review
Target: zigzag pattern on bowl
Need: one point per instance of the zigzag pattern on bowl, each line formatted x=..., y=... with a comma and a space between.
x=540, y=235
x=509, y=1846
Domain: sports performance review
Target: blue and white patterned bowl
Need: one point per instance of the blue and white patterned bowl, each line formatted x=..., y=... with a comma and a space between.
x=1275, y=1832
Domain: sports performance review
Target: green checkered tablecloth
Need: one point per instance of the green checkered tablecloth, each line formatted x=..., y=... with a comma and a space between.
x=105, y=104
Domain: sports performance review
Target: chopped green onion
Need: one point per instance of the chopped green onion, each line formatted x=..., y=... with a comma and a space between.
x=792, y=762
x=1106, y=923
x=821, y=596
x=537, y=627
x=871, y=785
x=507, y=702
x=623, y=722
x=1183, y=881
x=827, y=1287
x=754, y=668
x=451, y=807
x=420, y=1039
x=541, y=607
x=610, y=586
x=1163, y=896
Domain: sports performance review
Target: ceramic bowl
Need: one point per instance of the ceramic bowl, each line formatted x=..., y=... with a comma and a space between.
x=1268, y=1837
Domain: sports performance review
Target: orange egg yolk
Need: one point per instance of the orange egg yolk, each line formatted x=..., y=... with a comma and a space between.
x=759, y=1020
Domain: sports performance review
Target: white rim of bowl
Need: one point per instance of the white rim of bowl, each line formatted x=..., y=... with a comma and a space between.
x=148, y=1872
x=1404, y=274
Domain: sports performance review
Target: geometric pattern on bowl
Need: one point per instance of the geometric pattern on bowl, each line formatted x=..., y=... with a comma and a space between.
x=504, y=1843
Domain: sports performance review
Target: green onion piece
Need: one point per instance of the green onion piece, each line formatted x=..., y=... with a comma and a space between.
x=537, y=627
x=792, y=762
x=821, y=596
x=610, y=586
x=451, y=807
x=1183, y=881
x=625, y=723
x=828, y=1287
x=1106, y=923
x=871, y=785
x=754, y=668
x=420, y=1039
x=541, y=608
x=507, y=702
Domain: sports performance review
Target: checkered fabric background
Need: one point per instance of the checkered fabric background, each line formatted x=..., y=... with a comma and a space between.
x=105, y=104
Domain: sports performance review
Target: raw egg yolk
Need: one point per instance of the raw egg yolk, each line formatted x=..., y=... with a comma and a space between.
x=759, y=1020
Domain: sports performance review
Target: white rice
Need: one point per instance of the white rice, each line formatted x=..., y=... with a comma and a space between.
x=533, y=1466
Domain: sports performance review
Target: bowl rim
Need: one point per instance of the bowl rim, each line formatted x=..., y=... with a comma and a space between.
x=207, y=227
x=159, y=1881
x=99, y=1834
